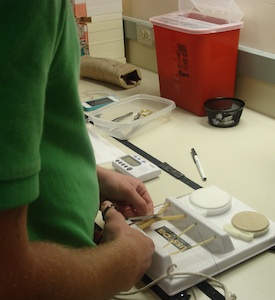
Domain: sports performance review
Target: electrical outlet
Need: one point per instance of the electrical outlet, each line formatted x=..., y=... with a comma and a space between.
x=145, y=35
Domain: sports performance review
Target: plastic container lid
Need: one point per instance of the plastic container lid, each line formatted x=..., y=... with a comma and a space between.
x=202, y=17
x=222, y=9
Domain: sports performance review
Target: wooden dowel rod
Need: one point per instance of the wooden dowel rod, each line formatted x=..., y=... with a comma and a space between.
x=198, y=244
x=181, y=233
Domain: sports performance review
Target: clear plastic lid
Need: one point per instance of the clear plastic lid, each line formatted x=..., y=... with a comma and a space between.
x=202, y=17
x=222, y=9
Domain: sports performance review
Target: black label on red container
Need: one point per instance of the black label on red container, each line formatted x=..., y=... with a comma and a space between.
x=183, y=64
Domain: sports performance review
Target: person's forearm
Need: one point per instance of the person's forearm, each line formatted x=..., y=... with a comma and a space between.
x=38, y=270
x=62, y=273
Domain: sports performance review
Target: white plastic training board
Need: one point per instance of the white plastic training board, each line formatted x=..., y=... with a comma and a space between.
x=210, y=250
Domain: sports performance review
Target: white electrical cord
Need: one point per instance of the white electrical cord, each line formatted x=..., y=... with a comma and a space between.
x=171, y=275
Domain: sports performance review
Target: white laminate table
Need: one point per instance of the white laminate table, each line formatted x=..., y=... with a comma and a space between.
x=240, y=160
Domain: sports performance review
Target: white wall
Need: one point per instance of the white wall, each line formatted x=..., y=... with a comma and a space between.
x=259, y=18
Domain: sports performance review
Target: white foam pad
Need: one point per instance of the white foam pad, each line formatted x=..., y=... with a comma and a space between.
x=211, y=200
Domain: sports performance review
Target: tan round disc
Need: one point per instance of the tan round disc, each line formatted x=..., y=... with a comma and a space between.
x=250, y=221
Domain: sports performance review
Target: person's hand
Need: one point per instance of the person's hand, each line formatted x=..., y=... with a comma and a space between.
x=137, y=247
x=129, y=194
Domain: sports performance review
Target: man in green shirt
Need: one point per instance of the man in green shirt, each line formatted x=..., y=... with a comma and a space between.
x=50, y=187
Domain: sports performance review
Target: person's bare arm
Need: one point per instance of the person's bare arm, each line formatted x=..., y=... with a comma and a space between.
x=32, y=270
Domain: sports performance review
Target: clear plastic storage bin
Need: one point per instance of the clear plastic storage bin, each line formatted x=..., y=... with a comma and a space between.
x=126, y=117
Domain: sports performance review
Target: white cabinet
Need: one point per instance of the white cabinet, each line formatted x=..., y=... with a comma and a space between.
x=105, y=32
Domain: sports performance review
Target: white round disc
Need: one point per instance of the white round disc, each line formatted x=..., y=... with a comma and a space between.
x=212, y=200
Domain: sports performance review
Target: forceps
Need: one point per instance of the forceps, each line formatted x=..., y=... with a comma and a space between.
x=144, y=218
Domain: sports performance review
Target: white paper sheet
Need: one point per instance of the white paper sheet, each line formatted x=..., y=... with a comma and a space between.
x=103, y=150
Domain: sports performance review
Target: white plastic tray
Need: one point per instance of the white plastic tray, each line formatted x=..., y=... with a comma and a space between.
x=103, y=118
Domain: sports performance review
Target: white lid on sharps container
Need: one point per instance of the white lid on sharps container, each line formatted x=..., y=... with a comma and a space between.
x=224, y=9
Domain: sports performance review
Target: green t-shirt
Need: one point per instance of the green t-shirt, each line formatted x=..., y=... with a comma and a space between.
x=46, y=156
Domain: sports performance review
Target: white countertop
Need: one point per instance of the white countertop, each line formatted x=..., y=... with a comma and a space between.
x=240, y=160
